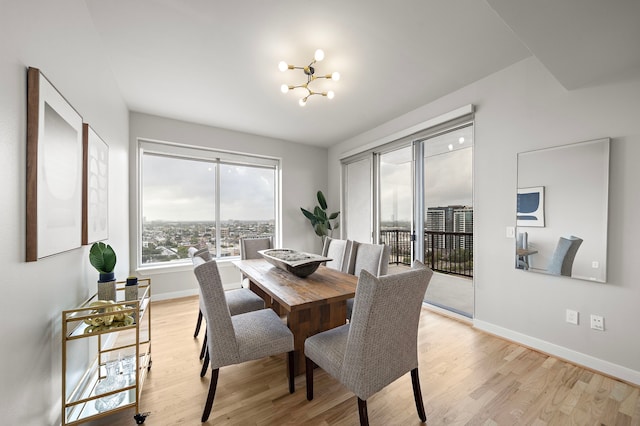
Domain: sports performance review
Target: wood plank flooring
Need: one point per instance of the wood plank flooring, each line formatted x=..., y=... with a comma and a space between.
x=467, y=377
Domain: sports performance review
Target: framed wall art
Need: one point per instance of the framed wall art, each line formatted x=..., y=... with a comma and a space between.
x=95, y=185
x=54, y=170
x=531, y=206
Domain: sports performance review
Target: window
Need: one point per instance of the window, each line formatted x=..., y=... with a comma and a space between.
x=202, y=198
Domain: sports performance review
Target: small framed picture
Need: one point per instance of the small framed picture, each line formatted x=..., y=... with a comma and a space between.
x=531, y=206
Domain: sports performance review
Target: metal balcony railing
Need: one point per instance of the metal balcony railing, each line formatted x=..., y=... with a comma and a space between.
x=445, y=252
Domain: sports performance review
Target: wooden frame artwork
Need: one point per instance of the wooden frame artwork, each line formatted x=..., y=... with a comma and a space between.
x=95, y=187
x=54, y=170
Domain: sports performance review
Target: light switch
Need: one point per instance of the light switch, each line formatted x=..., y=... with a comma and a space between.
x=511, y=231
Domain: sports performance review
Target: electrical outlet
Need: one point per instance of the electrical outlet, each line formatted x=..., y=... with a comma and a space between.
x=597, y=322
x=572, y=316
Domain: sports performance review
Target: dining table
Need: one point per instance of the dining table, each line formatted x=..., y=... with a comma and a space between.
x=312, y=304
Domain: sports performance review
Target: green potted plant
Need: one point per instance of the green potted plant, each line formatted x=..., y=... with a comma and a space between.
x=320, y=220
x=103, y=258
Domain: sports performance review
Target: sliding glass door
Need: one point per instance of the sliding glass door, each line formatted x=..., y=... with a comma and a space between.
x=416, y=195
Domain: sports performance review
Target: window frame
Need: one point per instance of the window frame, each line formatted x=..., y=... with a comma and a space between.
x=216, y=156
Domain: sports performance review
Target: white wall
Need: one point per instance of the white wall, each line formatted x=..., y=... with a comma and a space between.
x=303, y=173
x=58, y=38
x=519, y=109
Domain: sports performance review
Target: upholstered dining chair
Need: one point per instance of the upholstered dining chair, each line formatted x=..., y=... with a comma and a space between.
x=205, y=254
x=239, y=300
x=249, y=247
x=340, y=251
x=379, y=344
x=373, y=258
x=561, y=262
x=239, y=338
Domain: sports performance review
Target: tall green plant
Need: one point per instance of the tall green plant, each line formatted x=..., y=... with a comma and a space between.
x=320, y=220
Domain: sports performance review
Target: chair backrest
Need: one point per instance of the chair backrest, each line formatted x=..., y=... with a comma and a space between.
x=204, y=253
x=383, y=331
x=339, y=251
x=249, y=246
x=224, y=349
x=373, y=258
x=562, y=259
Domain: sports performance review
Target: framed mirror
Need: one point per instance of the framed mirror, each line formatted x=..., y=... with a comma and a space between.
x=562, y=206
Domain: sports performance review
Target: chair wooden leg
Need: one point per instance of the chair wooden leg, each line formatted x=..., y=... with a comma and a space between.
x=198, y=324
x=204, y=345
x=309, y=377
x=362, y=411
x=212, y=393
x=290, y=366
x=417, y=395
x=205, y=364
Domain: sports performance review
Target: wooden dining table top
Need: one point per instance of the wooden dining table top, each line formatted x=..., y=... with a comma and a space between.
x=324, y=286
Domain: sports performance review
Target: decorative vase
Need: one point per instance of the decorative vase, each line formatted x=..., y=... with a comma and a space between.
x=113, y=381
x=107, y=290
x=131, y=289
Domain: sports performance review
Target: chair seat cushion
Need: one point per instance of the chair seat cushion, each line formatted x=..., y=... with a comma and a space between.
x=260, y=334
x=243, y=300
x=327, y=349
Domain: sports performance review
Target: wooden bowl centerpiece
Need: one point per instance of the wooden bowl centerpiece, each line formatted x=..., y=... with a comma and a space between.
x=299, y=263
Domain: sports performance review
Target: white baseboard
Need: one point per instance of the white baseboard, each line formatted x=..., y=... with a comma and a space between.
x=588, y=361
x=187, y=293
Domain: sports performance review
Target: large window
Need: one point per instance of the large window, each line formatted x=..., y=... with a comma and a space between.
x=202, y=198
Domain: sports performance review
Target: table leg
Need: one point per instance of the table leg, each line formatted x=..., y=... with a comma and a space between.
x=313, y=320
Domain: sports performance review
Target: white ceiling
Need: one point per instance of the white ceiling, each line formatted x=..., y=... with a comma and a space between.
x=215, y=62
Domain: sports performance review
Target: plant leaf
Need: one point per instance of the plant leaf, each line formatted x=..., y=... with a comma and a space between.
x=308, y=214
x=334, y=215
x=322, y=201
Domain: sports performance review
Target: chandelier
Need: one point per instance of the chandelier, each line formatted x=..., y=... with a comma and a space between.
x=309, y=71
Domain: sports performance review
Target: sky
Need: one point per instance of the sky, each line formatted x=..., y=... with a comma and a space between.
x=448, y=176
x=178, y=189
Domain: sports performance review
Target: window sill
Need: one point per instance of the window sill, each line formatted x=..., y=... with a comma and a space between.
x=179, y=267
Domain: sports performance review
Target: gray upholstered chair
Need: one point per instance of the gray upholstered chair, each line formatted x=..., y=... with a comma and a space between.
x=239, y=300
x=379, y=344
x=373, y=258
x=238, y=338
x=562, y=259
x=249, y=247
x=340, y=251
x=205, y=254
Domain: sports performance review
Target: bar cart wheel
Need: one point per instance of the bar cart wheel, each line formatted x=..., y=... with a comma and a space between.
x=140, y=418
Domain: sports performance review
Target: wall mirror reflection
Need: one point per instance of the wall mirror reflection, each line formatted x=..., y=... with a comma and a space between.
x=562, y=203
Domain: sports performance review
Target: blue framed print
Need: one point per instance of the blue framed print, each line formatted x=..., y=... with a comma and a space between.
x=530, y=206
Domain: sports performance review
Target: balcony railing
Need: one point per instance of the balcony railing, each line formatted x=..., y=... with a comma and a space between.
x=445, y=252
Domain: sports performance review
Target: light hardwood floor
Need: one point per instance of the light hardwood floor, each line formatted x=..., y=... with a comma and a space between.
x=467, y=377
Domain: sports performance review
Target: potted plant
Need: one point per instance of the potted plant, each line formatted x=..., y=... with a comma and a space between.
x=320, y=220
x=103, y=258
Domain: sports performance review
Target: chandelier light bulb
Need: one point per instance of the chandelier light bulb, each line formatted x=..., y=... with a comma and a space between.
x=283, y=66
x=330, y=94
x=461, y=140
x=319, y=55
x=284, y=88
x=335, y=76
x=302, y=102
